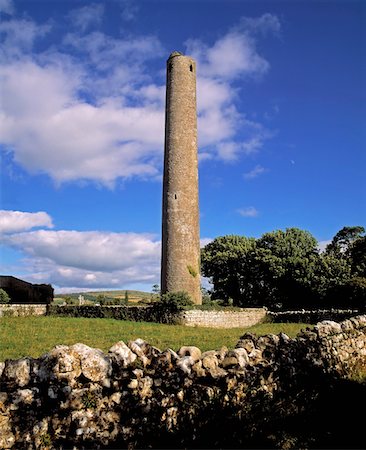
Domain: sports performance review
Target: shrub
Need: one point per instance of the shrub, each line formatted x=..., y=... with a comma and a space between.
x=4, y=297
x=170, y=306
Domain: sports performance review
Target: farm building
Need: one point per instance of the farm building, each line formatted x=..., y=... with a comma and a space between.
x=21, y=291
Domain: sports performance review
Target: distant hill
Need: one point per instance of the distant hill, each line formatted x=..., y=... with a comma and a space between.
x=94, y=296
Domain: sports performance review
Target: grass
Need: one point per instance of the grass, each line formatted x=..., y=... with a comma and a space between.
x=32, y=336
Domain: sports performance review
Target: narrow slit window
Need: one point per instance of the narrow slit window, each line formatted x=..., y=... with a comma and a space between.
x=175, y=196
x=191, y=68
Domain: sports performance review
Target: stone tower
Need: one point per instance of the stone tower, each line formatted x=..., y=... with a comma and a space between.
x=180, y=265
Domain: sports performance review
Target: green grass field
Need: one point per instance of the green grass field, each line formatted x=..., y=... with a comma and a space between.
x=32, y=336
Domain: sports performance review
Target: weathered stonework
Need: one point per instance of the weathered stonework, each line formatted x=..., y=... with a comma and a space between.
x=137, y=396
x=246, y=317
x=14, y=310
x=180, y=269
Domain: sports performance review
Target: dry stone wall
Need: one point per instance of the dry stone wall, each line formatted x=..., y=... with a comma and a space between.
x=15, y=310
x=137, y=396
x=246, y=317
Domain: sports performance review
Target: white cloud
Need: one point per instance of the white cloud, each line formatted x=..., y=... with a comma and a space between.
x=18, y=37
x=265, y=24
x=255, y=172
x=248, y=212
x=86, y=16
x=233, y=55
x=88, y=250
x=129, y=9
x=88, y=259
x=70, y=139
x=7, y=7
x=16, y=221
x=98, y=114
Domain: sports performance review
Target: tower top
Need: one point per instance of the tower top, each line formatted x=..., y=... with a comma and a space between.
x=173, y=54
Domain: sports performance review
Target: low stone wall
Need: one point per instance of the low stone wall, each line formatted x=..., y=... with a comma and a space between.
x=15, y=310
x=312, y=316
x=212, y=318
x=246, y=317
x=137, y=396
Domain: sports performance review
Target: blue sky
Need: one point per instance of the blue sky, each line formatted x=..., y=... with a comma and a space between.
x=281, y=124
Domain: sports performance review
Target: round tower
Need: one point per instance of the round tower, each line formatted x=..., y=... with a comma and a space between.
x=180, y=266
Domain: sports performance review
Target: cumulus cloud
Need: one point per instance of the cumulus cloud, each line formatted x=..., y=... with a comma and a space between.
x=86, y=16
x=85, y=259
x=89, y=250
x=18, y=37
x=235, y=54
x=255, y=172
x=16, y=221
x=81, y=259
x=248, y=212
x=90, y=110
x=232, y=58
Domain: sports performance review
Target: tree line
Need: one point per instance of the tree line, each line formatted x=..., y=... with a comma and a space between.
x=286, y=269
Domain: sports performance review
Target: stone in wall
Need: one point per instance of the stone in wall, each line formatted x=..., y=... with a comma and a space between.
x=246, y=317
x=137, y=396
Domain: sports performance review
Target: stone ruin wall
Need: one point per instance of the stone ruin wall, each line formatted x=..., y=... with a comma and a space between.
x=224, y=319
x=23, y=310
x=138, y=396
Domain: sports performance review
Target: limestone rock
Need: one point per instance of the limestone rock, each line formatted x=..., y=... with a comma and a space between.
x=62, y=363
x=95, y=365
x=125, y=355
x=193, y=352
x=210, y=362
x=328, y=327
x=137, y=348
x=247, y=341
x=185, y=364
x=17, y=372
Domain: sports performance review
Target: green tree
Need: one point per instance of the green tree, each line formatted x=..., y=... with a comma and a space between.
x=4, y=297
x=343, y=241
x=223, y=261
x=126, y=296
x=358, y=257
x=283, y=268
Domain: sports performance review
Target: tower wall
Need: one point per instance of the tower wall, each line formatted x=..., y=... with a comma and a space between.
x=180, y=270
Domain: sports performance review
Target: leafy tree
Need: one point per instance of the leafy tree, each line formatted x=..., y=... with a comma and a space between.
x=330, y=275
x=358, y=257
x=4, y=297
x=126, y=296
x=343, y=241
x=284, y=267
x=223, y=260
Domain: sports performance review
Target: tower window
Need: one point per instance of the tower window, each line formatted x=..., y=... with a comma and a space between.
x=175, y=196
x=191, y=68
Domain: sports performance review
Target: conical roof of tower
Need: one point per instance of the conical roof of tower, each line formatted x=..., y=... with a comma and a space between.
x=173, y=54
